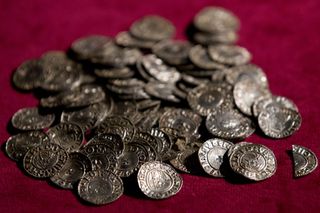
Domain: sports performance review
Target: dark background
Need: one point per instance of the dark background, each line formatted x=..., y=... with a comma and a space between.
x=283, y=37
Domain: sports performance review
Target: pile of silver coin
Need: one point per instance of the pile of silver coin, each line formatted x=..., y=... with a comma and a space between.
x=142, y=105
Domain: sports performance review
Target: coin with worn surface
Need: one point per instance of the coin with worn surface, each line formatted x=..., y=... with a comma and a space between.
x=74, y=169
x=45, y=160
x=211, y=155
x=229, y=54
x=114, y=141
x=279, y=122
x=100, y=187
x=246, y=92
x=152, y=28
x=225, y=37
x=163, y=91
x=229, y=124
x=199, y=56
x=18, y=145
x=127, y=40
x=305, y=161
x=253, y=161
x=31, y=119
x=215, y=19
x=207, y=98
x=67, y=135
x=159, y=180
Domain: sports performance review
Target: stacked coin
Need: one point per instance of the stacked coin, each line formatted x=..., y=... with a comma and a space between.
x=129, y=106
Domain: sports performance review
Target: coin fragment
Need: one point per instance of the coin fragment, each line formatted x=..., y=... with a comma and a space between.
x=305, y=161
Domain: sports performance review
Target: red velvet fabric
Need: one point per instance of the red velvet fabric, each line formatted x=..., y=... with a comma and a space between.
x=282, y=35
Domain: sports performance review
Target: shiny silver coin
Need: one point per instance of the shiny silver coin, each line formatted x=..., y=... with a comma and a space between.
x=207, y=98
x=100, y=187
x=31, y=119
x=305, y=161
x=253, y=161
x=225, y=37
x=266, y=103
x=73, y=170
x=158, y=180
x=68, y=135
x=117, y=72
x=229, y=54
x=236, y=146
x=229, y=124
x=215, y=19
x=211, y=155
x=101, y=156
x=18, y=145
x=237, y=73
x=162, y=91
x=112, y=140
x=246, y=92
x=200, y=57
x=45, y=160
x=29, y=75
x=125, y=39
x=182, y=159
x=153, y=28
x=173, y=52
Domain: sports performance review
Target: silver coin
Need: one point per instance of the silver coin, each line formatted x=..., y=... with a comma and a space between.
x=211, y=155
x=127, y=40
x=266, y=103
x=116, y=72
x=31, y=119
x=100, y=187
x=229, y=124
x=225, y=37
x=253, y=161
x=173, y=52
x=164, y=140
x=279, y=122
x=74, y=169
x=44, y=160
x=199, y=56
x=236, y=146
x=153, y=28
x=18, y=145
x=112, y=140
x=229, y=54
x=206, y=98
x=182, y=158
x=163, y=91
x=305, y=161
x=215, y=19
x=67, y=135
x=158, y=180
x=246, y=92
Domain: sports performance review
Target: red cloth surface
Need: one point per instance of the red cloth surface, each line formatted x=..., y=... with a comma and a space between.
x=283, y=37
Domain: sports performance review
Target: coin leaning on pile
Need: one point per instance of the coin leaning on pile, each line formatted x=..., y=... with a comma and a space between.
x=129, y=106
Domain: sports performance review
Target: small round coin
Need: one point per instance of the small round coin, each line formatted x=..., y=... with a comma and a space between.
x=305, y=161
x=100, y=187
x=158, y=180
x=199, y=56
x=211, y=155
x=253, y=161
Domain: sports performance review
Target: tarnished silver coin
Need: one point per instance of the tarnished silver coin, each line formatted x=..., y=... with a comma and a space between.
x=67, y=135
x=229, y=124
x=211, y=155
x=158, y=180
x=215, y=19
x=305, y=161
x=100, y=187
x=199, y=56
x=229, y=54
x=29, y=75
x=127, y=40
x=18, y=145
x=112, y=140
x=225, y=37
x=207, y=98
x=267, y=103
x=279, y=122
x=153, y=28
x=116, y=72
x=163, y=91
x=73, y=170
x=253, y=161
x=246, y=92
x=31, y=119
x=174, y=52
x=45, y=160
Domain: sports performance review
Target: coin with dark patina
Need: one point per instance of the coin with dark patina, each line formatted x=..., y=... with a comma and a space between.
x=182, y=159
x=159, y=180
x=229, y=54
x=253, y=161
x=31, y=119
x=45, y=160
x=211, y=155
x=305, y=161
x=200, y=57
x=100, y=187
x=18, y=145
